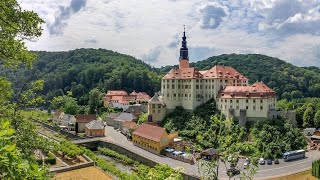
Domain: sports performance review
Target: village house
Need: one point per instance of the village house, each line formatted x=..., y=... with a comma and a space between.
x=82, y=120
x=110, y=118
x=123, y=117
x=136, y=110
x=128, y=127
x=121, y=99
x=152, y=138
x=57, y=117
x=95, y=128
x=189, y=87
x=64, y=121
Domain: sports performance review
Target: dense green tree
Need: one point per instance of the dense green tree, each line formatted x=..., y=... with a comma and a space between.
x=308, y=116
x=143, y=118
x=317, y=119
x=95, y=100
x=66, y=103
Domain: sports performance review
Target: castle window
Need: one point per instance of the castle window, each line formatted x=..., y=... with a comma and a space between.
x=247, y=107
x=212, y=86
x=159, y=106
x=167, y=95
x=174, y=95
x=237, y=101
x=153, y=106
x=186, y=95
x=247, y=101
x=179, y=86
x=159, y=110
x=231, y=101
x=186, y=86
x=172, y=86
x=261, y=107
x=197, y=86
x=254, y=101
x=261, y=101
x=200, y=86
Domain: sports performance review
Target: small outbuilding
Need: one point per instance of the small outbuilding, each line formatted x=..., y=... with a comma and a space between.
x=209, y=154
x=95, y=128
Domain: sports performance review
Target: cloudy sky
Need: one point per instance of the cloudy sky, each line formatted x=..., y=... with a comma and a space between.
x=151, y=29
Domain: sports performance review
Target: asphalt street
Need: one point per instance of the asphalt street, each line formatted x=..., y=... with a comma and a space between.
x=264, y=171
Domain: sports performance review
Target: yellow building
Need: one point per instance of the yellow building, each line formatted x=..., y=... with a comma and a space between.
x=152, y=138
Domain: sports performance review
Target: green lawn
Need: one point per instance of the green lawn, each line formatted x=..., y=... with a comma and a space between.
x=37, y=115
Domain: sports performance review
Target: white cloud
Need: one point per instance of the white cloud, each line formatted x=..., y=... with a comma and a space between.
x=151, y=30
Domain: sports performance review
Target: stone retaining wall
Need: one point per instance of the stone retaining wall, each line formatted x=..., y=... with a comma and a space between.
x=138, y=157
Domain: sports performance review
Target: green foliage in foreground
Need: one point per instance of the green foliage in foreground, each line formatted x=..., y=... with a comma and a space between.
x=274, y=137
x=315, y=171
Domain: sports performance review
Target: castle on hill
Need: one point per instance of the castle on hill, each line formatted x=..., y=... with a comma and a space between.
x=189, y=87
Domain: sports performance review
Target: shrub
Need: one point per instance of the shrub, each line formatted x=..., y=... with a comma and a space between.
x=119, y=157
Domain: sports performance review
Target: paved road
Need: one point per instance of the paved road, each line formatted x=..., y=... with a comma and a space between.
x=264, y=172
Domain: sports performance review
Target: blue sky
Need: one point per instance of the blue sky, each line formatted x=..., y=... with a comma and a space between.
x=151, y=30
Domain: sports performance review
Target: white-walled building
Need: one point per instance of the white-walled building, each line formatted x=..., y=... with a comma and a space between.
x=189, y=87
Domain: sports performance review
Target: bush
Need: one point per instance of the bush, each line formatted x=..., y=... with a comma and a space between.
x=316, y=169
x=119, y=157
x=51, y=159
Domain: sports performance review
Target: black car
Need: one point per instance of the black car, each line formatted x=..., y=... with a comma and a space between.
x=269, y=161
x=276, y=161
x=233, y=172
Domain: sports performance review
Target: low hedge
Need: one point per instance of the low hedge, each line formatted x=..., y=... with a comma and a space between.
x=109, y=166
x=117, y=156
x=51, y=159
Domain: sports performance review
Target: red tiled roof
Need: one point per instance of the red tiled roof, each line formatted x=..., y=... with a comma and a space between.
x=130, y=125
x=85, y=118
x=185, y=73
x=143, y=96
x=117, y=92
x=223, y=72
x=257, y=90
x=119, y=99
x=133, y=93
x=150, y=132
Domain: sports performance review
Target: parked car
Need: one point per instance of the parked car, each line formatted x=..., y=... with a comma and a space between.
x=276, y=161
x=246, y=163
x=269, y=161
x=233, y=172
x=261, y=161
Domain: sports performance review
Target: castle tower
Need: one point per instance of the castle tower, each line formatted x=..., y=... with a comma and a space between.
x=184, y=58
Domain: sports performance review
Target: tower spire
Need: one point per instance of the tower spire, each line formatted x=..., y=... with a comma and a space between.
x=184, y=49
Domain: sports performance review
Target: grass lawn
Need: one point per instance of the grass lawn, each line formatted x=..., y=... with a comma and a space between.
x=89, y=173
x=306, y=175
x=38, y=115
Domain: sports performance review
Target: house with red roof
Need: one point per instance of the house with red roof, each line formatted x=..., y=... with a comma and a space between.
x=152, y=138
x=82, y=120
x=190, y=87
x=121, y=99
